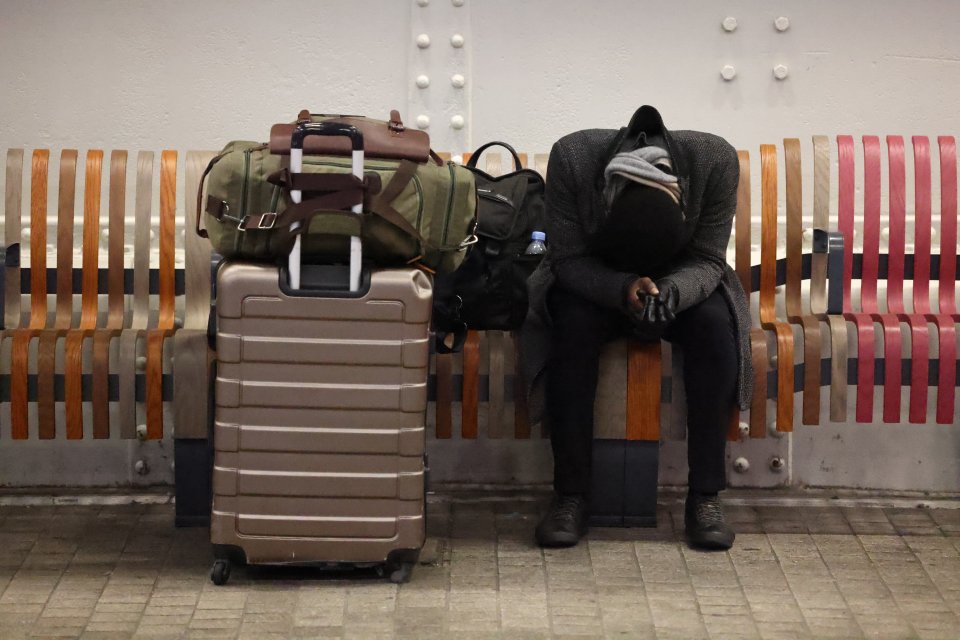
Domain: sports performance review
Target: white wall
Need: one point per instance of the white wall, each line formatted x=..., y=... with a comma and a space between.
x=188, y=74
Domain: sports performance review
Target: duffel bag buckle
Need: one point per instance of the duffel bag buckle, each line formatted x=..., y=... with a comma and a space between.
x=258, y=222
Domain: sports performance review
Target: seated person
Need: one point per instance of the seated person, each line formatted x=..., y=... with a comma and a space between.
x=638, y=222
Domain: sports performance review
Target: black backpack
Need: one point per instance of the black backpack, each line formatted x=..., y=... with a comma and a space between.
x=489, y=290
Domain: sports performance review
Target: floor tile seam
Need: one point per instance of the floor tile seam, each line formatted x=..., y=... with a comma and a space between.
x=936, y=586
x=843, y=596
x=741, y=590
x=642, y=587
x=783, y=572
x=127, y=532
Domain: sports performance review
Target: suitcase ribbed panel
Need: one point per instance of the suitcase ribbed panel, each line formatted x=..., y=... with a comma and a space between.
x=320, y=420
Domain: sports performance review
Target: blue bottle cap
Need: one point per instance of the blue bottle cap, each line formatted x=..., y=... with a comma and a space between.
x=538, y=235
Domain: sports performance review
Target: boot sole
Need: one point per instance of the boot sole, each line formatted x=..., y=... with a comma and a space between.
x=711, y=541
x=561, y=540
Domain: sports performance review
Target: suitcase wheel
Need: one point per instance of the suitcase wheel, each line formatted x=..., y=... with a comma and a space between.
x=220, y=572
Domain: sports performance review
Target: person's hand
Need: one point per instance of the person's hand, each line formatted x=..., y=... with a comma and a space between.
x=637, y=295
x=660, y=310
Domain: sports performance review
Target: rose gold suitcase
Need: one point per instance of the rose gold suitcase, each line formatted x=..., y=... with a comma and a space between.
x=320, y=420
x=321, y=399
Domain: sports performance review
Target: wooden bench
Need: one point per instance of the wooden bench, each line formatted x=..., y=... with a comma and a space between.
x=124, y=349
x=115, y=321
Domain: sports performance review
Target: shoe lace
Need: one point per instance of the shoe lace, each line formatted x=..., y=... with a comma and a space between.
x=709, y=510
x=567, y=507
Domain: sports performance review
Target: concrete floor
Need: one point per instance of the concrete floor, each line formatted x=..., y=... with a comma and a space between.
x=819, y=570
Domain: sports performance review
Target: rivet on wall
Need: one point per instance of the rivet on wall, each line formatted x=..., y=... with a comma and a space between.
x=458, y=81
x=781, y=24
x=456, y=40
x=744, y=429
x=423, y=81
x=777, y=464
x=780, y=72
x=423, y=41
x=457, y=122
x=728, y=72
x=741, y=465
x=423, y=121
x=729, y=24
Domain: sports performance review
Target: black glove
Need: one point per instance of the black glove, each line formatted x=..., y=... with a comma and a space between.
x=658, y=312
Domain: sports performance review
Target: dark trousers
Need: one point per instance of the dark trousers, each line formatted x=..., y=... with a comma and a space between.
x=707, y=336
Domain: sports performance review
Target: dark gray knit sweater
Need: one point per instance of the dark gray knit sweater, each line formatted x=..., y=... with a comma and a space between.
x=708, y=170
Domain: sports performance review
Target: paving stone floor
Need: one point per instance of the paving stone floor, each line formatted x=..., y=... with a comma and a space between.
x=795, y=572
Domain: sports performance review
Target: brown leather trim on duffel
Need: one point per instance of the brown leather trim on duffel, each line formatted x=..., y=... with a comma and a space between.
x=380, y=140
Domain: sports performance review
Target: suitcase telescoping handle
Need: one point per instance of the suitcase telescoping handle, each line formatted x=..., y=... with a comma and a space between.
x=326, y=128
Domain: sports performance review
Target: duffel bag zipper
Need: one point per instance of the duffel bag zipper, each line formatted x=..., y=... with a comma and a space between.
x=453, y=190
x=246, y=177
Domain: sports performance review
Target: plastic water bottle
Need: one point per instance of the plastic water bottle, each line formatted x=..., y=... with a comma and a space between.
x=536, y=246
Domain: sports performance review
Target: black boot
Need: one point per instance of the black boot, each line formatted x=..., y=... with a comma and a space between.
x=706, y=527
x=565, y=523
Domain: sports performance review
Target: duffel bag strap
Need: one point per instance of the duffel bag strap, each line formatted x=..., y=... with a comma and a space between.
x=382, y=204
x=306, y=210
x=323, y=181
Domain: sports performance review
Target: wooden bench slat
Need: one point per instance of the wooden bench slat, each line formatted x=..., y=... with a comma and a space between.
x=863, y=323
x=141, y=295
x=540, y=162
x=768, y=282
x=521, y=417
x=744, y=245
x=920, y=341
x=470, y=403
x=818, y=283
x=115, y=295
x=948, y=316
x=892, y=336
x=47, y=347
x=923, y=311
x=20, y=348
x=644, y=380
x=948, y=224
x=165, y=322
x=192, y=356
x=73, y=362
x=444, y=396
x=808, y=322
x=12, y=209
x=497, y=371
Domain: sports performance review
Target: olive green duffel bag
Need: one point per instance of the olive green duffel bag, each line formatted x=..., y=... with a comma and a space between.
x=413, y=213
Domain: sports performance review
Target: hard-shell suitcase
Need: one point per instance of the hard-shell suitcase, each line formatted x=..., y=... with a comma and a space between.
x=321, y=397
